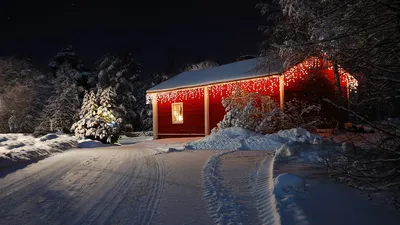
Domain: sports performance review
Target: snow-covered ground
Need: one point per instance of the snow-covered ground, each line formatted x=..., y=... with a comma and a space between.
x=134, y=184
x=126, y=184
x=236, y=138
x=292, y=189
x=23, y=149
x=306, y=196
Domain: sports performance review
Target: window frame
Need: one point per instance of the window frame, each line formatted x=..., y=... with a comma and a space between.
x=172, y=112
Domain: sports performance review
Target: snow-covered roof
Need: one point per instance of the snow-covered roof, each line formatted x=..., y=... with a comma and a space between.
x=229, y=72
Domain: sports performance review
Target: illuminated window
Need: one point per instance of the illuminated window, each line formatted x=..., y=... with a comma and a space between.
x=177, y=112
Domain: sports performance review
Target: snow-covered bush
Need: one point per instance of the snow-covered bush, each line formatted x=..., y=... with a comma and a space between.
x=245, y=109
x=259, y=113
x=98, y=122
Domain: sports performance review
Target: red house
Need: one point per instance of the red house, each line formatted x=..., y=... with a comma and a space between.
x=189, y=104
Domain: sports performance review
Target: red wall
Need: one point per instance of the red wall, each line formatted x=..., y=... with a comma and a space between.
x=193, y=116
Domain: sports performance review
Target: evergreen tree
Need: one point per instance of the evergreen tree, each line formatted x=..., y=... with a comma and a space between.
x=200, y=65
x=89, y=105
x=22, y=89
x=67, y=56
x=88, y=121
x=96, y=119
x=121, y=72
x=62, y=108
x=105, y=110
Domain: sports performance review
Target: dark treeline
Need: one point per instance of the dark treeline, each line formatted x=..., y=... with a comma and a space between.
x=49, y=99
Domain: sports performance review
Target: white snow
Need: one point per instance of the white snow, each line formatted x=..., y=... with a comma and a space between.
x=300, y=135
x=88, y=143
x=286, y=184
x=232, y=71
x=304, y=197
x=125, y=140
x=23, y=148
x=291, y=149
x=222, y=204
x=236, y=138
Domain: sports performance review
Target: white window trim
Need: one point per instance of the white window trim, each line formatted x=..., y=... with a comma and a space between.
x=172, y=112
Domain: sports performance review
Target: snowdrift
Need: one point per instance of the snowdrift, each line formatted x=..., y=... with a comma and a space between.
x=24, y=149
x=236, y=138
x=289, y=184
x=89, y=143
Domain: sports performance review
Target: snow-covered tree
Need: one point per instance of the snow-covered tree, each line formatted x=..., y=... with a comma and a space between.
x=121, y=72
x=67, y=56
x=244, y=109
x=200, y=65
x=21, y=90
x=259, y=113
x=144, y=111
x=158, y=78
x=62, y=108
x=96, y=119
x=359, y=35
x=106, y=107
x=89, y=105
x=362, y=36
x=12, y=122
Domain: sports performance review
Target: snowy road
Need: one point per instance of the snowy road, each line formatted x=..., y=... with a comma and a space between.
x=129, y=184
x=115, y=185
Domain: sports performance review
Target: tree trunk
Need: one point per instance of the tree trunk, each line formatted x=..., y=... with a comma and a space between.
x=338, y=91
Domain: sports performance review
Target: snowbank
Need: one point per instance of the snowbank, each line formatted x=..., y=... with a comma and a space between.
x=88, y=143
x=305, y=196
x=236, y=138
x=289, y=184
x=300, y=135
x=24, y=149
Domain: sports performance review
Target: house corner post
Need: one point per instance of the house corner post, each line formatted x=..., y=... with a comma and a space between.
x=155, y=116
x=282, y=92
x=206, y=111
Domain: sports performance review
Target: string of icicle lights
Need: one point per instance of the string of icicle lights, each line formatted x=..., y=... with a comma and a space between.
x=301, y=72
x=265, y=84
x=256, y=85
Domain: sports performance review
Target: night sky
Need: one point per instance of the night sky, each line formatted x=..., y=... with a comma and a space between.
x=161, y=34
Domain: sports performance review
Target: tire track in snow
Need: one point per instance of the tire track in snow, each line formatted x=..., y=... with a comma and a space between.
x=76, y=184
x=114, y=189
x=263, y=191
x=222, y=205
x=15, y=198
x=134, y=198
x=156, y=186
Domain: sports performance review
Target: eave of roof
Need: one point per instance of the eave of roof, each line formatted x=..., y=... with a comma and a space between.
x=232, y=72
